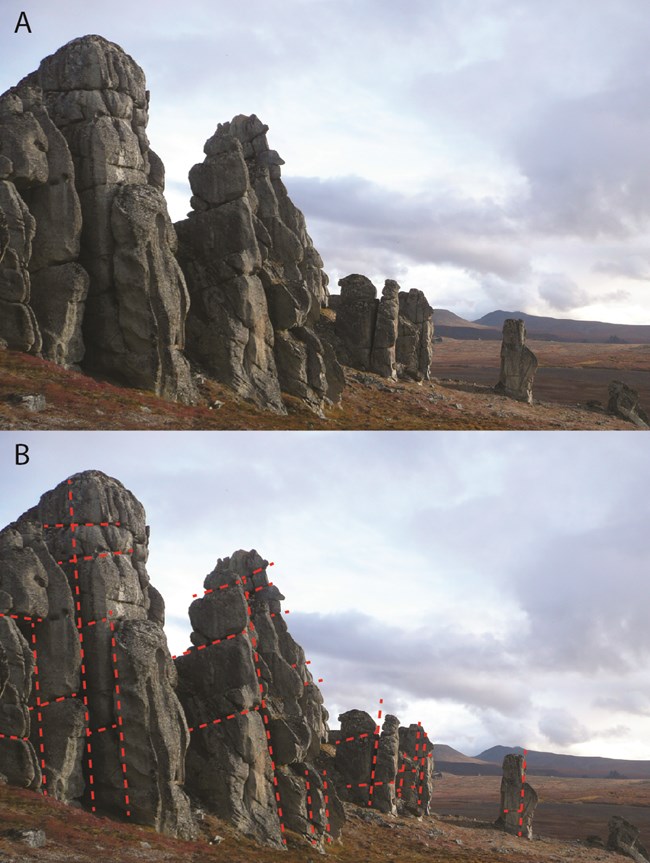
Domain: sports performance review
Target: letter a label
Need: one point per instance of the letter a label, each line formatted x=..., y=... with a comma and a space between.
x=23, y=22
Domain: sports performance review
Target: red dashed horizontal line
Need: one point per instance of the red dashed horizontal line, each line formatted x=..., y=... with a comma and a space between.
x=23, y=617
x=12, y=737
x=355, y=737
x=210, y=643
x=55, y=700
x=78, y=558
x=74, y=525
x=232, y=584
x=223, y=719
x=375, y=784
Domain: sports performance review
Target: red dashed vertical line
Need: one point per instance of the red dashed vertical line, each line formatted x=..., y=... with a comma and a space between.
x=84, y=679
x=326, y=801
x=373, y=765
x=402, y=770
x=523, y=792
x=423, y=760
x=264, y=710
x=310, y=809
x=39, y=714
x=120, y=721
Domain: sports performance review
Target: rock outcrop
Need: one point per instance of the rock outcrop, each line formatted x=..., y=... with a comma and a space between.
x=87, y=682
x=518, y=363
x=389, y=770
x=624, y=839
x=255, y=279
x=90, y=274
x=414, y=782
x=624, y=402
x=256, y=716
x=391, y=336
x=518, y=799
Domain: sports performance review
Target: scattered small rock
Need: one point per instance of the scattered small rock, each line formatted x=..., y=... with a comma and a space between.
x=30, y=401
x=216, y=841
x=33, y=838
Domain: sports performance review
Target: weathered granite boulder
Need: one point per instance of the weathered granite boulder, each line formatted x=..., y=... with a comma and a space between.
x=518, y=799
x=624, y=839
x=86, y=182
x=414, y=783
x=518, y=363
x=624, y=402
x=255, y=278
x=256, y=717
x=105, y=727
x=391, y=336
x=414, y=349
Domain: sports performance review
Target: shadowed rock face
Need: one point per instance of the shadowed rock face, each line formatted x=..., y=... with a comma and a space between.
x=624, y=402
x=255, y=278
x=415, y=774
x=73, y=572
x=244, y=677
x=518, y=363
x=91, y=254
x=516, y=815
x=391, y=336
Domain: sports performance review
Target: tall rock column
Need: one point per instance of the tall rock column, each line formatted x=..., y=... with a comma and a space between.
x=518, y=363
x=414, y=349
x=133, y=325
x=256, y=717
x=105, y=724
x=415, y=775
x=518, y=799
x=255, y=278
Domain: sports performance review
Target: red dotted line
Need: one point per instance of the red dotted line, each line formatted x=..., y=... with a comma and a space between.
x=422, y=761
x=210, y=643
x=523, y=792
x=77, y=559
x=223, y=719
x=264, y=711
x=85, y=524
x=120, y=721
x=310, y=811
x=236, y=582
x=326, y=800
x=13, y=737
x=373, y=766
x=23, y=617
x=402, y=770
x=84, y=681
x=39, y=715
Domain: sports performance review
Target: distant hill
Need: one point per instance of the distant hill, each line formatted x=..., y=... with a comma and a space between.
x=452, y=326
x=552, y=764
x=565, y=330
x=448, y=760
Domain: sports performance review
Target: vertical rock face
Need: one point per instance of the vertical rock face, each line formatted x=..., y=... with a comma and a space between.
x=518, y=363
x=517, y=808
x=392, y=336
x=91, y=227
x=414, y=350
x=256, y=718
x=104, y=722
x=255, y=278
x=415, y=774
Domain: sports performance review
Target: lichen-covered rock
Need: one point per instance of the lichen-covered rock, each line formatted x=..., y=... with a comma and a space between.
x=623, y=838
x=392, y=336
x=517, y=809
x=624, y=402
x=92, y=104
x=414, y=348
x=255, y=278
x=518, y=363
x=257, y=718
x=105, y=721
x=414, y=782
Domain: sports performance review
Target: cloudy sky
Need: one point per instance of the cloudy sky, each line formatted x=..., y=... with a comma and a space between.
x=494, y=153
x=491, y=585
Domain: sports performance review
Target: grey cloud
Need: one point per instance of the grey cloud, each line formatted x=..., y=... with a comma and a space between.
x=561, y=728
x=354, y=218
x=562, y=293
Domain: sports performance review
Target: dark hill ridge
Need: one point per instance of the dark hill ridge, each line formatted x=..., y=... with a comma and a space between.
x=578, y=766
x=567, y=330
